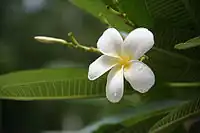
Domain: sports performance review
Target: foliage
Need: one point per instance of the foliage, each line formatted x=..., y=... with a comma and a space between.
x=173, y=22
x=180, y=114
x=194, y=42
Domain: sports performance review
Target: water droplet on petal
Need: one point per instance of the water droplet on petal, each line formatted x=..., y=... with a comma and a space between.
x=114, y=97
x=140, y=68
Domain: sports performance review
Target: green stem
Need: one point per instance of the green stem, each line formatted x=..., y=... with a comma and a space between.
x=122, y=15
x=76, y=44
x=105, y=20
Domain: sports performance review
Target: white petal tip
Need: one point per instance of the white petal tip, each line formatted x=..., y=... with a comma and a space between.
x=114, y=97
x=115, y=85
x=142, y=90
x=90, y=77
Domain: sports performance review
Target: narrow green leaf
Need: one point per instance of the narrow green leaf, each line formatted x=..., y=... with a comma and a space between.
x=150, y=111
x=184, y=84
x=141, y=118
x=194, y=42
x=45, y=84
x=49, y=84
x=186, y=111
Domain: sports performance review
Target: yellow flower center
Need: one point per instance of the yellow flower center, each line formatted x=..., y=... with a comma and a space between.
x=125, y=61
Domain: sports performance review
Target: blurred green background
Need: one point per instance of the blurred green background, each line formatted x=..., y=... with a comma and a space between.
x=20, y=21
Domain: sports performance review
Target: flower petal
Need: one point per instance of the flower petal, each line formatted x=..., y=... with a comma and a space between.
x=100, y=66
x=140, y=76
x=115, y=84
x=138, y=42
x=110, y=42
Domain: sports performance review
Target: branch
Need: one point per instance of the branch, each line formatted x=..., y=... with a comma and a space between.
x=73, y=44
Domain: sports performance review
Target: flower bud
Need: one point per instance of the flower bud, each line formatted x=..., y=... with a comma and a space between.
x=45, y=39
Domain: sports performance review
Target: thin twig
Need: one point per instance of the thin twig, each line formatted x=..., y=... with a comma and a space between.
x=122, y=15
x=78, y=45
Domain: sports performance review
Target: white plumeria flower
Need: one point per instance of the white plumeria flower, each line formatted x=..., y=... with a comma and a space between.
x=122, y=57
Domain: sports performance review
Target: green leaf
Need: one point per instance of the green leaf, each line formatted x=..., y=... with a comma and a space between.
x=148, y=111
x=184, y=84
x=96, y=7
x=172, y=67
x=178, y=13
x=144, y=120
x=41, y=84
x=194, y=42
x=139, y=118
x=179, y=115
x=73, y=83
x=175, y=21
x=137, y=11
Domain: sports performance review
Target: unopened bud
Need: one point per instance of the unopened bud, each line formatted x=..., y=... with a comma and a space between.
x=45, y=39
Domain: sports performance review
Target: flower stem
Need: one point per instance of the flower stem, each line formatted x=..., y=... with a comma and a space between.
x=105, y=20
x=76, y=44
x=122, y=15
